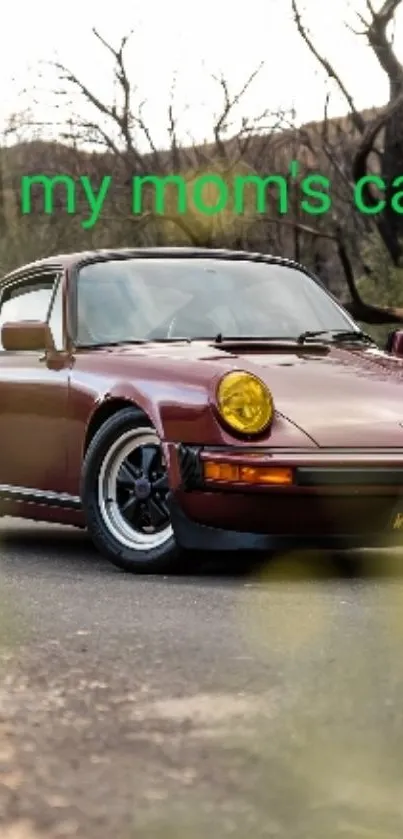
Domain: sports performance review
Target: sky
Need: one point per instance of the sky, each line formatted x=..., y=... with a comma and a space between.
x=189, y=43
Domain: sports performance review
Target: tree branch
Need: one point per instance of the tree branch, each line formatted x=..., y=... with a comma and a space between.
x=328, y=67
x=376, y=34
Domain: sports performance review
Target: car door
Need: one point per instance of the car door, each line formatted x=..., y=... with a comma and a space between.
x=34, y=389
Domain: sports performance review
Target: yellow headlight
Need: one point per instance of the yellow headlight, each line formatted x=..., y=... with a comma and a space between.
x=244, y=402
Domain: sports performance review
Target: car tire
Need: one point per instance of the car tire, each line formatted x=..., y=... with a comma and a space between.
x=123, y=490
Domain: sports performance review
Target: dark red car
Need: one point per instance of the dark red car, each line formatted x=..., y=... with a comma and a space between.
x=172, y=399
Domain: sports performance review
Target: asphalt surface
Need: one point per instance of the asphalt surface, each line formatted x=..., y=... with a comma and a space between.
x=265, y=704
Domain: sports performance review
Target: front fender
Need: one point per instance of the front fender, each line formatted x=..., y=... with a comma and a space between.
x=173, y=410
x=183, y=414
x=180, y=413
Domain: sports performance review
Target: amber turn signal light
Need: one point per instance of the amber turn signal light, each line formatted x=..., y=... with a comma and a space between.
x=232, y=473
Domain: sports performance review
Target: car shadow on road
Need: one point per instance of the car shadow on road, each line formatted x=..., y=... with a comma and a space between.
x=35, y=544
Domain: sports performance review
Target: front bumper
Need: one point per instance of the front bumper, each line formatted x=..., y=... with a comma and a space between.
x=338, y=499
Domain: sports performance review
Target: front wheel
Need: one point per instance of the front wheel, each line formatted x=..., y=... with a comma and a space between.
x=124, y=493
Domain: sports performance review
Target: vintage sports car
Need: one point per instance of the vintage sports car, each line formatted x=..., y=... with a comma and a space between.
x=171, y=400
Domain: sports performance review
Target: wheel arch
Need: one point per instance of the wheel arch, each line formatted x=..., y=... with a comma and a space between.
x=107, y=409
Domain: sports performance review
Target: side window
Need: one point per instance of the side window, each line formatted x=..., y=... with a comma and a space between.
x=27, y=300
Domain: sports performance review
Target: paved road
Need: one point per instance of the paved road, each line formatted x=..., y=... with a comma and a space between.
x=262, y=705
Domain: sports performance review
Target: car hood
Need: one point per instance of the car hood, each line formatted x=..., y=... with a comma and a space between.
x=339, y=397
x=343, y=398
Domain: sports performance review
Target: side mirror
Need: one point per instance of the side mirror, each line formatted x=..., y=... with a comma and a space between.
x=26, y=335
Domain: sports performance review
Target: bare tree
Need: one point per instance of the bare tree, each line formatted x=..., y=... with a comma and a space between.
x=105, y=136
x=374, y=146
x=120, y=129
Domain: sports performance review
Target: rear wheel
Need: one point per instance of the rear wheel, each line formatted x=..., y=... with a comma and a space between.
x=124, y=494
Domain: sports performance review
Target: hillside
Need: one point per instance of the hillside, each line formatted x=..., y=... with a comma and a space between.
x=27, y=237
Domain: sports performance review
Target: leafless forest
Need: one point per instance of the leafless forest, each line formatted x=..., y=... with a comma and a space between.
x=359, y=256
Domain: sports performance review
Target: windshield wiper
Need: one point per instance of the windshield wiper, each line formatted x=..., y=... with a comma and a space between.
x=111, y=344
x=176, y=340
x=134, y=341
x=257, y=339
x=337, y=335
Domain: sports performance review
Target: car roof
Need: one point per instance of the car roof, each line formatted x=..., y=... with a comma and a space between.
x=69, y=260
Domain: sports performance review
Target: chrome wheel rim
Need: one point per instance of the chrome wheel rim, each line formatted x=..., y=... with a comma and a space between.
x=132, y=491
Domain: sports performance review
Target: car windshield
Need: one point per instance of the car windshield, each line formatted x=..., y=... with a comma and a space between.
x=166, y=298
